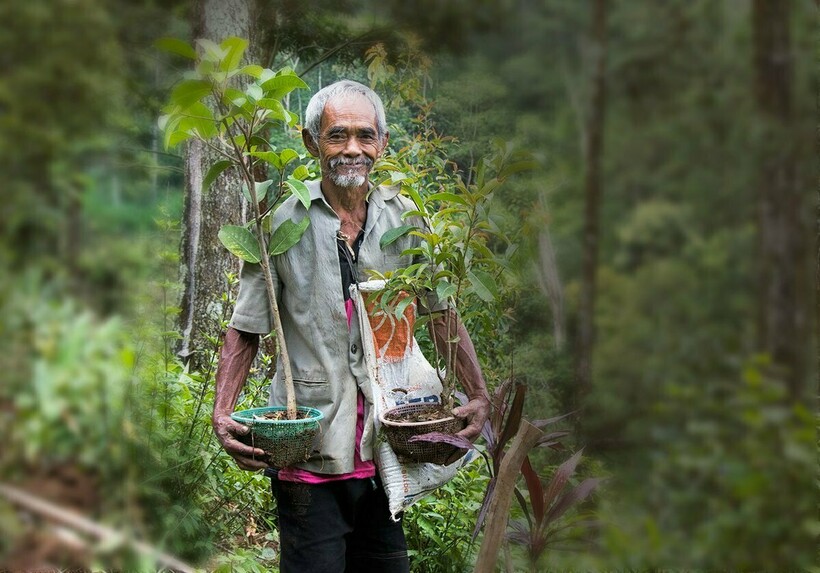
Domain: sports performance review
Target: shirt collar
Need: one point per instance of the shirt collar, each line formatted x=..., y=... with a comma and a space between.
x=376, y=195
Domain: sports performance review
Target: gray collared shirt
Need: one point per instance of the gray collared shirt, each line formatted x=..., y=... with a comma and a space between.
x=326, y=357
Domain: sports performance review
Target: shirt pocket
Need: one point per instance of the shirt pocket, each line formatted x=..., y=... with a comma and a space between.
x=312, y=388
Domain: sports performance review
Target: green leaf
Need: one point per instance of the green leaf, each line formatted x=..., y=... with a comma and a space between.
x=254, y=92
x=280, y=86
x=234, y=49
x=299, y=189
x=252, y=70
x=214, y=172
x=444, y=290
x=414, y=195
x=402, y=306
x=270, y=157
x=189, y=92
x=199, y=118
x=174, y=138
x=287, y=156
x=448, y=198
x=392, y=235
x=510, y=169
x=483, y=285
x=278, y=111
x=241, y=242
x=176, y=46
x=301, y=173
x=287, y=235
x=261, y=189
x=212, y=50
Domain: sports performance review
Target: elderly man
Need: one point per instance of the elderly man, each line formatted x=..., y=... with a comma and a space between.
x=333, y=513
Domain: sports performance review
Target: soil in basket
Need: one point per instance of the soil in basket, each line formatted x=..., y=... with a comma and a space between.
x=282, y=415
x=426, y=415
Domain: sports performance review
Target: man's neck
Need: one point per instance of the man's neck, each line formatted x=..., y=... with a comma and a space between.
x=344, y=199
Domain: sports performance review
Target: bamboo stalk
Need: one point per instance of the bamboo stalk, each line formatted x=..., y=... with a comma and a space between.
x=499, y=510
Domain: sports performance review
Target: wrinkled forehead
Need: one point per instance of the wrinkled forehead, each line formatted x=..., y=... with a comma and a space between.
x=349, y=107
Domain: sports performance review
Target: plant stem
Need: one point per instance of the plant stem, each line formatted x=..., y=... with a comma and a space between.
x=265, y=263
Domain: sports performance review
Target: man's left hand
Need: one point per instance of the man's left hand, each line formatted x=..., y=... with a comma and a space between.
x=476, y=411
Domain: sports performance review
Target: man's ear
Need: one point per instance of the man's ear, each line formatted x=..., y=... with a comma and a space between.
x=385, y=139
x=310, y=145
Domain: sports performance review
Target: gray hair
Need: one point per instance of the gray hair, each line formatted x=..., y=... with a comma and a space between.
x=341, y=89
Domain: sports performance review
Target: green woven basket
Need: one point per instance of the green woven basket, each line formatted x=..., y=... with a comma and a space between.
x=286, y=442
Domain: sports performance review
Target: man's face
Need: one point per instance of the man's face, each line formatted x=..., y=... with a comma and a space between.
x=349, y=141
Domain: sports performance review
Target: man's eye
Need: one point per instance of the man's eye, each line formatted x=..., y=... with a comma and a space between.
x=337, y=137
x=367, y=139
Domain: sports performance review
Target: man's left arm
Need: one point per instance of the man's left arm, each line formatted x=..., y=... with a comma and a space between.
x=467, y=369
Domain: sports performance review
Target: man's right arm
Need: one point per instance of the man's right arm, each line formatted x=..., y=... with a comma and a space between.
x=238, y=351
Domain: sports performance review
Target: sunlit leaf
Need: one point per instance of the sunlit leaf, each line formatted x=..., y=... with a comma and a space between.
x=253, y=70
x=301, y=173
x=254, y=92
x=234, y=49
x=241, y=242
x=176, y=46
x=269, y=157
x=288, y=155
x=188, y=92
x=448, y=197
x=299, y=189
x=212, y=51
x=279, y=86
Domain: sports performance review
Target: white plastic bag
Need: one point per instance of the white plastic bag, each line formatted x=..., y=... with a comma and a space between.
x=399, y=374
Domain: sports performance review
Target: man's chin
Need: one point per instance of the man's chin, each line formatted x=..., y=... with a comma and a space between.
x=348, y=181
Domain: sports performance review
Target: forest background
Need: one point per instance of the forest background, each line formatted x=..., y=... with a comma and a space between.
x=664, y=287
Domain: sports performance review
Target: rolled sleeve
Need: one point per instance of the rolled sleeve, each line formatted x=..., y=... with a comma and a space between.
x=252, y=312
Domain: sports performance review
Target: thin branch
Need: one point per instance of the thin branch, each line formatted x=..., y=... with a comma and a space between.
x=81, y=523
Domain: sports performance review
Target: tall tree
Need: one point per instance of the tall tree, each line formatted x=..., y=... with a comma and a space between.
x=204, y=262
x=780, y=232
x=593, y=154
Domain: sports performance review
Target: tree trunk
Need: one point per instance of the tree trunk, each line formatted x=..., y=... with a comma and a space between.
x=549, y=282
x=592, y=190
x=204, y=261
x=780, y=229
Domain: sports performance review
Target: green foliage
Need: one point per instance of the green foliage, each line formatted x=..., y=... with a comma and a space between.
x=737, y=481
x=439, y=529
x=232, y=115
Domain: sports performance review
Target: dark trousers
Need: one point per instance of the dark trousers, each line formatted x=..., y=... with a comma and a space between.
x=341, y=526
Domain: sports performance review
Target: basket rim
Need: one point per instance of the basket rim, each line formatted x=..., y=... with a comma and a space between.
x=373, y=285
x=246, y=416
x=396, y=424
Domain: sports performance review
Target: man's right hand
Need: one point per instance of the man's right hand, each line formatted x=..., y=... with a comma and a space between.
x=226, y=430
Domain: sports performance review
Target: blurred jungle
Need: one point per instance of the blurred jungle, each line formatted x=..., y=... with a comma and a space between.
x=663, y=287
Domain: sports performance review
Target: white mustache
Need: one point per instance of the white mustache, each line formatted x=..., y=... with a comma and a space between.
x=336, y=161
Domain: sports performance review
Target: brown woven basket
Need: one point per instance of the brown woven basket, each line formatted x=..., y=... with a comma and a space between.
x=398, y=434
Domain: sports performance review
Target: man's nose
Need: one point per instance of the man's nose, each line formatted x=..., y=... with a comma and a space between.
x=352, y=147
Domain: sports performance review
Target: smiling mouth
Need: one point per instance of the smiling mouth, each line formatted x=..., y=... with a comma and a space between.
x=340, y=162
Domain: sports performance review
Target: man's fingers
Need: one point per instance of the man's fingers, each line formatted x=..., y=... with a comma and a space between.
x=471, y=432
x=246, y=456
x=249, y=464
